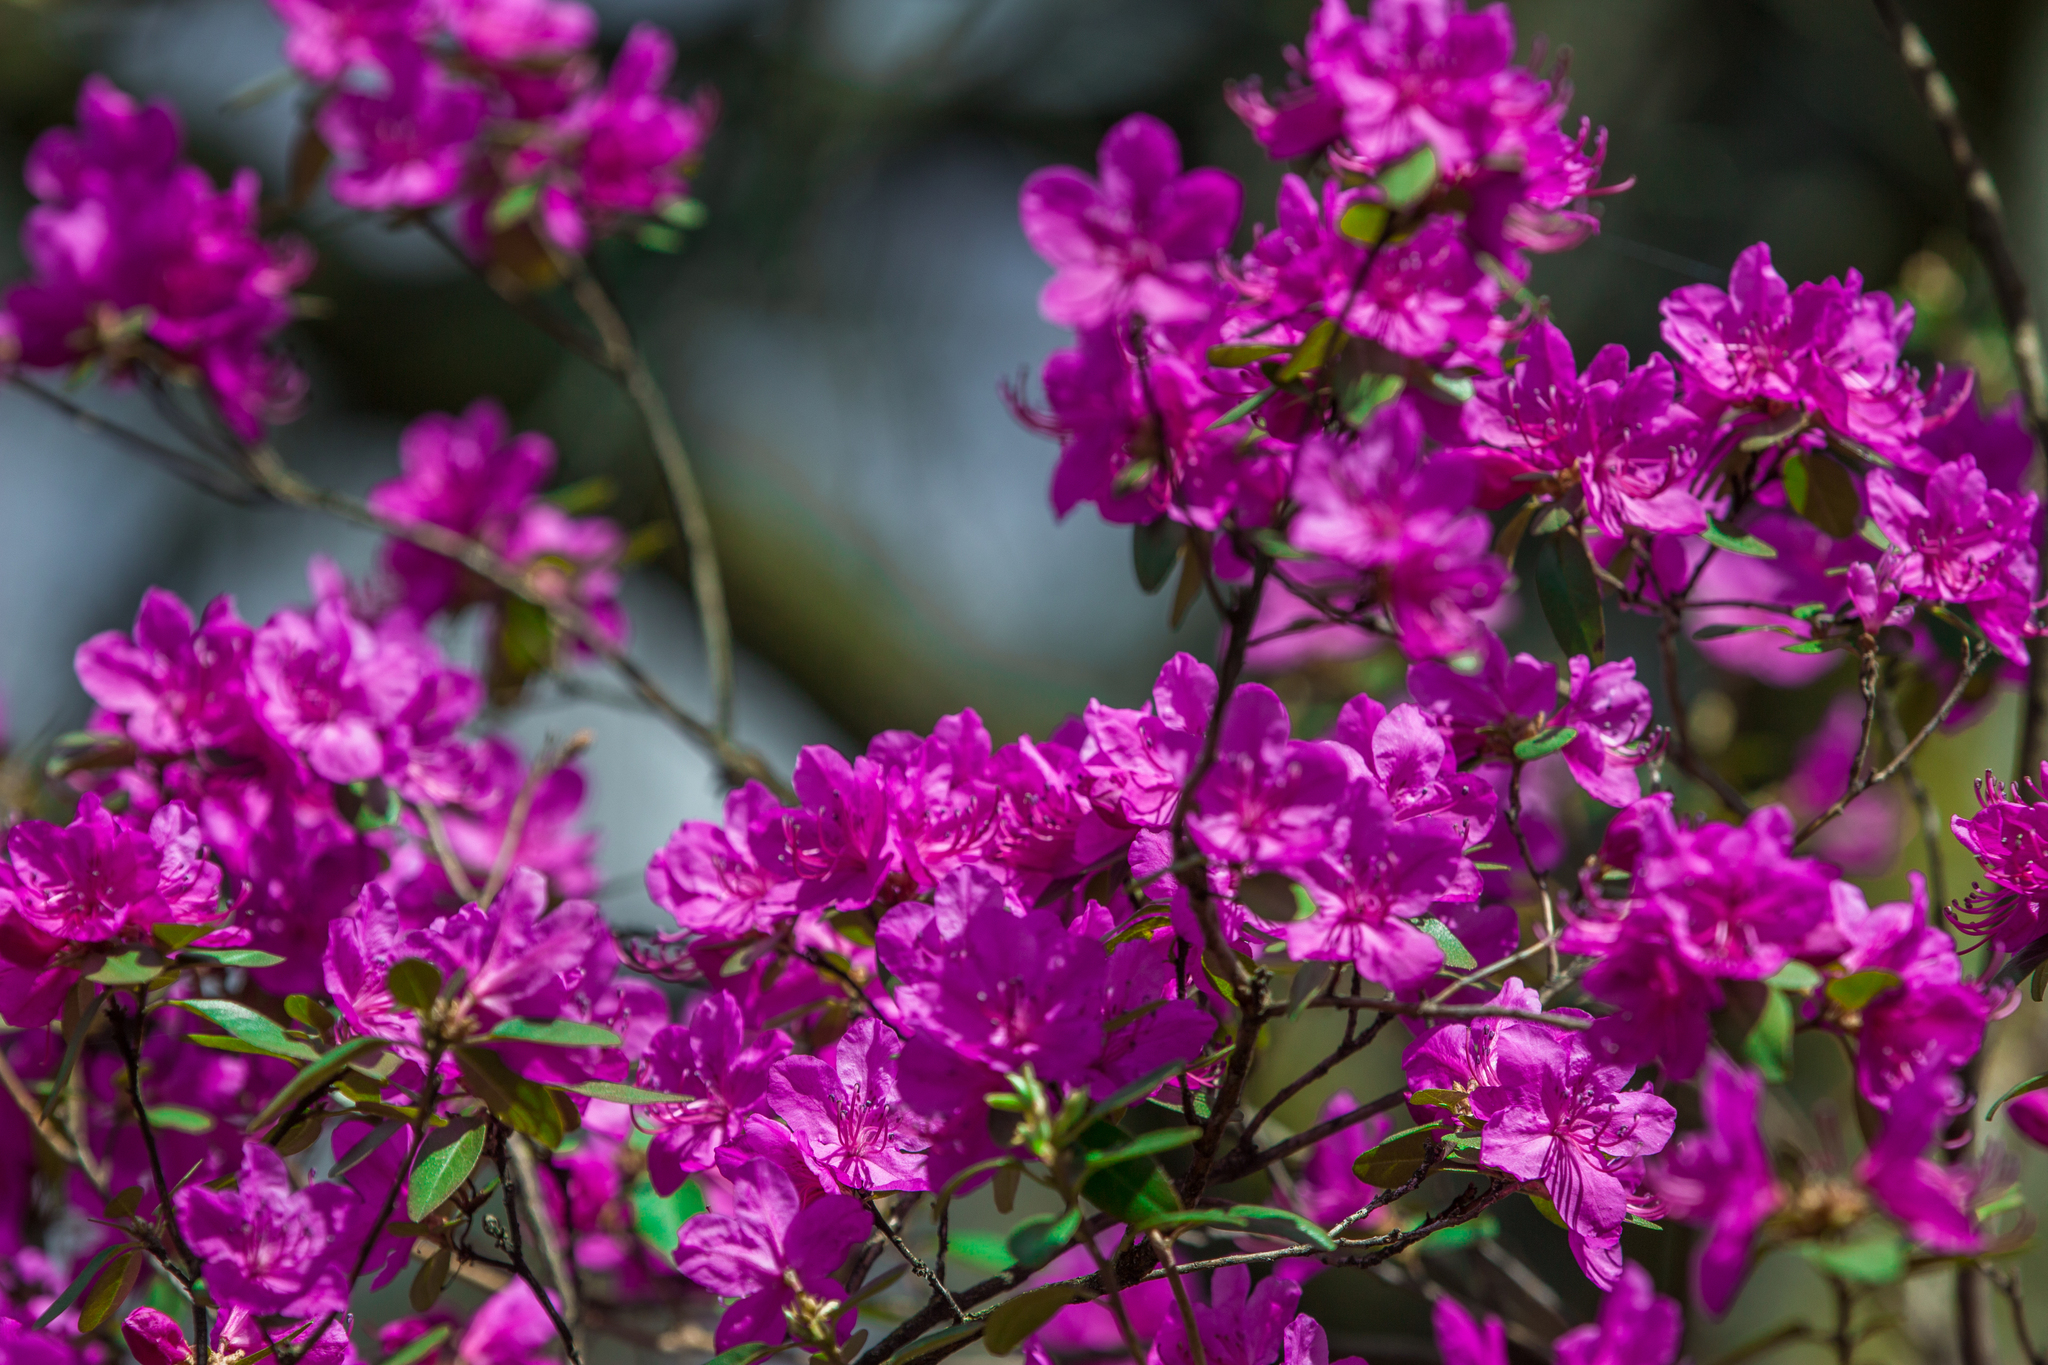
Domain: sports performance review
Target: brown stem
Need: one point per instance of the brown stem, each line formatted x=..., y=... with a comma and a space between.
x=1243, y=1161
x=550, y=761
x=206, y=477
x=515, y=1249
x=1542, y=880
x=917, y=1267
x=553, y=1248
x=1923, y=807
x=131, y=1055
x=1422, y=1009
x=1973, y=658
x=1681, y=725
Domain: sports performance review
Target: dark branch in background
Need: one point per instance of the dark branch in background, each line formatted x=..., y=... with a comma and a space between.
x=1681, y=725
x=514, y=1245
x=1985, y=217
x=131, y=1056
x=207, y=478
x=1243, y=1161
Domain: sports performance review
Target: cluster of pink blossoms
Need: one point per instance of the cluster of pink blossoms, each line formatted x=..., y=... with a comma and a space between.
x=305, y=933
x=497, y=107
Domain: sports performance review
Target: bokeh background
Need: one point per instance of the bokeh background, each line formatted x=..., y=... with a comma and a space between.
x=836, y=336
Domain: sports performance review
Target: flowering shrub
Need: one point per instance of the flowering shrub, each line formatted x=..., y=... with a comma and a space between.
x=303, y=991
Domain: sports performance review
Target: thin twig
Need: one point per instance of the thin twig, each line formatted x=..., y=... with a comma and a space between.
x=1681, y=725
x=1923, y=807
x=1973, y=658
x=1164, y=1248
x=553, y=1248
x=206, y=477
x=917, y=1267
x=451, y=865
x=1243, y=1161
x=55, y=1135
x=1423, y=1009
x=1536, y=874
x=131, y=1055
x=515, y=1249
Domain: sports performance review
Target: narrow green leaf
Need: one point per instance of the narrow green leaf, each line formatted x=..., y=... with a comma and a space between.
x=1874, y=1260
x=1015, y=1319
x=1871, y=532
x=1365, y=222
x=420, y=1347
x=231, y=957
x=1397, y=1158
x=304, y=1009
x=621, y=1094
x=1545, y=744
x=1243, y=410
x=659, y=1219
x=1736, y=542
x=180, y=1119
x=78, y=1285
x=1371, y=393
x=1456, y=955
x=1130, y=1190
x=1236, y=357
x=1854, y=992
x=114, y=1285
x=687, y=214
x=135, y=968
x=555, y=1033
x=258, y=1030
x=414, y=983
x=311, y=1077
x=1550, y=520
x=444, y=1164
x=1569, y=594
x=1145, y=1144
x=1137, y=1090
x=1459, y=388
x=1134, y=476
x=366, y=1147
x=1037, y=1240
x=1409, y=179
x=1768, y=1047
x=1155, y=548
x=1509, y=542
x=1190, y=1218
x=1721, y=630
x=1312, y=352
x=514, y=205
x=2026, y=1087
x=524, y=1105
x=1298, y=1228
x=743, y=1355
x=172, y=937
x=74, y=1043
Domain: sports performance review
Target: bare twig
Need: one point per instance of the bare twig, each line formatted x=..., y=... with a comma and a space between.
x=553, y=1248
x=1973, y=658
x=1423, y=1009
x=54, y=1134
x=917, y=1266
x=1681, y=725
x=206, y=477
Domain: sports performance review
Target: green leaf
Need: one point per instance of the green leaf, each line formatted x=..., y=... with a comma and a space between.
x=1723, y=629
x=1144, y=1085
x=134, y=968
x=1272, y=897
x=1409, y=179
x=444, y=1164
x=687, y=214
x=304, y=1009
x=1873, y=533
x=1395, y=1160
x=1550, y=520
x=1037, y=1240
x=1155, y=548
x=1773, y=433
x=525, y=1106
x=1854, y=992
x=743, y=1355
x=115, y=1283
x=514, y=205
x=311, y=1077
x=1243, y=410
x=1371, y=393
x=1873, y=1260
x=555, y=1033
x=659, y=237
x=2026, y=1087
x=414, y=983
x=1794, y=976
x=1456, y=955
x=378, y=805
x=1236, y=357
x=231, y=957
x=1569, y=594
x=1821, y=490
x=1545, y=744
x=1458, y=388
x=1145, y=1144
x=1015, y=1319
x=172, y=937
x=1365, y=222
x=1813, y=646
x=1130, y=1190
x=1297, y=1227
x=74, y=1043
x=1736, y=542
x=659, y=1220
x=420, y=1347
x=1190, y=1218
x=1312, y=352
x=180, y=1119
x=78, y=1285
x=620, y=1094
x=260, y=1031
x=1768, y=1047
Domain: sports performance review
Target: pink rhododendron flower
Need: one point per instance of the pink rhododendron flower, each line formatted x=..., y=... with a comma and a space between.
x=769, y=1249
x=1721, y=1179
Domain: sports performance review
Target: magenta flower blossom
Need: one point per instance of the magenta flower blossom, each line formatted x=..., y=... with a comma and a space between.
x=1140, y=760
x=1932, y=1200
x=1369, y=886
x=1409, y=760
x=1637, y=1326
x=1142, y=239
x=726, y=882
x=724, y=1077
x=319, y=683
x=1375, y=505
x=268, y=1247
x=1557, y=1114
x=1268, y=801
x=154, y=1338
x=1462, y=1340
x=1829, y=348
x=98, y=880
x=131, y=244
x=768, y=1250
x=941, y=794
x=620, y=151
x=406, y=146
x=1929, y=1024
x=2008, y=836
x=840, y=839
x=1720, y=1178
x=1617, y=434
x=515, y=32
x=846, y=1115
x=510, y=1329
x=177, y=684
x=1236, y=1327
x=1962, y=541
x=1738, y=903
x=326, y=38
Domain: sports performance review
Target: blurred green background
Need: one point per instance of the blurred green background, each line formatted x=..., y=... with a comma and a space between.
x=836, y=336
